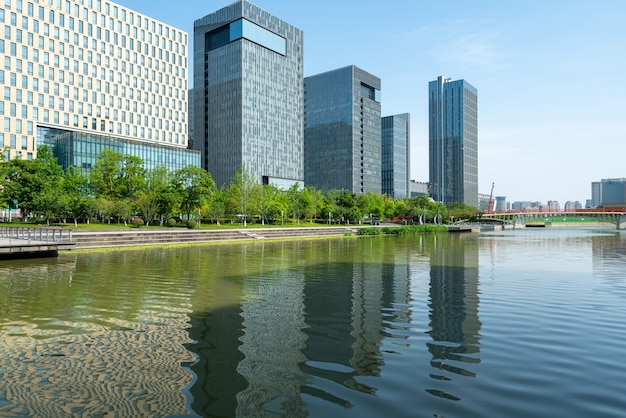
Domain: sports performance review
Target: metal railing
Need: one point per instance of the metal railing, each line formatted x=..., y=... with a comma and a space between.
x=56, y=235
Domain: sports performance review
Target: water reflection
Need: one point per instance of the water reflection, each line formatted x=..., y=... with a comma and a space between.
x=358, y=327
x=609, y=257
x=454, y=321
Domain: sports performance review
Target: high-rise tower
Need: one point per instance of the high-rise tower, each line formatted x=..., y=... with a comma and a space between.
x=343, y=130
x=396, y=138
x=248, y=95
x=453, y=141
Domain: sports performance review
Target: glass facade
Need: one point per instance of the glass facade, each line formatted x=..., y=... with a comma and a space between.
x=81, y=150
x=453, y=141
x=248, y=94
x=396, y=139
x=342, y=130
x=93, y=67
x=610, y=192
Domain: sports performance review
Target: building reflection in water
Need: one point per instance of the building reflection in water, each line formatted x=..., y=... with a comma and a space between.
x=454, y=323
x=608, y=260
x=300, y=336
x=310, y=333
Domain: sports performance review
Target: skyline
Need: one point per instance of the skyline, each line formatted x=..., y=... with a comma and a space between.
x=549, y=104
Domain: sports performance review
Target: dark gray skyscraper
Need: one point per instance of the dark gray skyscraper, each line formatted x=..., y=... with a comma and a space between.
x=248, y=95
x=453, y=141
x=396, y=137
x=342, y=130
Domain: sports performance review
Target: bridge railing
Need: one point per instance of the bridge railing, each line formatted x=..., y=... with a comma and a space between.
x=547, y=211
x=55, y=235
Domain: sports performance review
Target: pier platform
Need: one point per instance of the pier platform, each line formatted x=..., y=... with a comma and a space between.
x=32, y=242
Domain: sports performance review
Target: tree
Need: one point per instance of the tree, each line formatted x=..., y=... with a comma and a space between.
x=132, y=177
x=215, y=208
x=148, y=206
x=306, y=204
x=242, y=189
x=296, y=208
x=106, y=173
x=194, y=187
x=76, y=187
x=159, y=185
x=48, y=202
x=26, y=181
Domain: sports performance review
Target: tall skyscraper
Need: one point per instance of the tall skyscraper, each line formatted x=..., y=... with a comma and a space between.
x=453, y=141
x=342, y=130
x=248, y=95
x=396, y=138
x=84, y=76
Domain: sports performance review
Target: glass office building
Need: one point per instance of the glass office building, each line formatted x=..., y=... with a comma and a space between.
x=609, y=193
x=396, y=138
x=91, y=67
x=81, y=149
x=342, y=131
x=453, y=141
x=248, y=95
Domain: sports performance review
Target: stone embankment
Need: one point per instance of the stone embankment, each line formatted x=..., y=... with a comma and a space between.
x=167, y=236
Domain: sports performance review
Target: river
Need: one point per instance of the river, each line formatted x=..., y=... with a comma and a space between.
x=499, y=324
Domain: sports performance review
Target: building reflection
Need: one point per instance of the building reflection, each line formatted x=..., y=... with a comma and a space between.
x=608, y=258
x=300, y=336
x=312, y=333
x=454, y=322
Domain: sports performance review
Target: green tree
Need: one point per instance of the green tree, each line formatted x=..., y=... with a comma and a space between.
x=132, y=177
x=215, y=209
x=194, y=187
x=306, y=204
x=148, y=206
x=159, y=186
x=26, y=181
x=49, y=202
x=122, y=210
x=77, y=189
x=106, y=173
x=242, y=189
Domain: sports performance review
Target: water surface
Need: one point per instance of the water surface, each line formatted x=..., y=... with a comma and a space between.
x=520, y=323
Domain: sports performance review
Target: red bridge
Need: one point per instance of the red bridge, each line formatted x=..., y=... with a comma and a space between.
x=615, y=216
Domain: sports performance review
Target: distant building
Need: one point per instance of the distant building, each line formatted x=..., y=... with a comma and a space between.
x=596, y=194
x=501, y=203
x=248, y=95
x=553, y=205
x=342, y=130
x=85, y=76
x=396, y=138
x=453, y=141
x=417, y=188
x=609, y=193
x=569, y=205
x=527, y=205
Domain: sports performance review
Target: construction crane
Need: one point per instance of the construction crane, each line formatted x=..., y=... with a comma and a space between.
x=490, y=203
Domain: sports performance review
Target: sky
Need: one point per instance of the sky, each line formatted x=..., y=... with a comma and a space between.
x=550, y=76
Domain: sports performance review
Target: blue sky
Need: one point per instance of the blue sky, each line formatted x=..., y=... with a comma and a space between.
x=549, y=74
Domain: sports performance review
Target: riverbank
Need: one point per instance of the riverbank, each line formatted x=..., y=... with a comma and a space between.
x=126, y=238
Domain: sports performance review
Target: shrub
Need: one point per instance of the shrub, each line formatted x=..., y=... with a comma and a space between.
x=368, y=231
x=136, y=222
x=401, y=230
x=171, y=222
x=192, y=224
